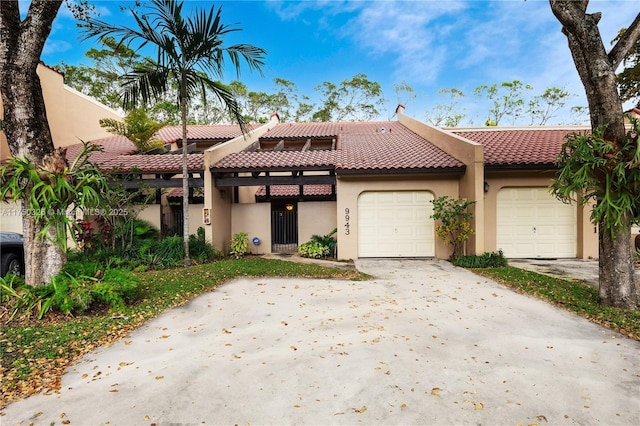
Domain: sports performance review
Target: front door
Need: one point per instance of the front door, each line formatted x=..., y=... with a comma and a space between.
x=284, y=227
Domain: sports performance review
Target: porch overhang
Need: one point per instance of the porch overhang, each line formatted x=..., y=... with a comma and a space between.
x=269, y=177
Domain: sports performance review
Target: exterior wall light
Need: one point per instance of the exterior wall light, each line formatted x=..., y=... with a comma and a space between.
x=289, y=207
x=486, y=186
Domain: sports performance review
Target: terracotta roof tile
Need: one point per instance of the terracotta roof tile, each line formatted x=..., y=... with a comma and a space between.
x=214, y=132
x=111, y=147
x=302, y=130
x=361, y=147
x=118, y=152
x=294, y=190
x=520, y=147
x=154, y=163
x=388, y=147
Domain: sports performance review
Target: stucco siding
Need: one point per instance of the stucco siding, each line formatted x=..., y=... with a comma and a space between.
x=315, y=218
x=255, y=220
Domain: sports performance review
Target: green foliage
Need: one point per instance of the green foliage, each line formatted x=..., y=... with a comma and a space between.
x=87, y=267
x=50, y=194
x=313, y=249
x=239, y=244
x=201, y=250
x=357, y=99
x=68, y=294
x=454, y=227
x=485, y=260
x=606, y=175
x=506, y=99
x=188, y=50
x=319, y=246
x=449, y=114
x=18, y=299
x=629, y=77
x=138, y=128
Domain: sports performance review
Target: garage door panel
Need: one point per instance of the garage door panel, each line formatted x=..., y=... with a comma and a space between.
x=395, y=224
x=532, y=223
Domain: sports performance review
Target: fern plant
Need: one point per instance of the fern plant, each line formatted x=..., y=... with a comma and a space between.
x=47, y=196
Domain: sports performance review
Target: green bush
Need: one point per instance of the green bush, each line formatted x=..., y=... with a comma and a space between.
x=239, y=244
x=313, y=249
x=319, y=246
x=485, y=260
x=68, y=294
x=82, y=268
x=200, y=249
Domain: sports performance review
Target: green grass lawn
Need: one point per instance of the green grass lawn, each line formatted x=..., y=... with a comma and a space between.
x=573, y=296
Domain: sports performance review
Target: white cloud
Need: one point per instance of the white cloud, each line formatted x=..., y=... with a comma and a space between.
x=53, y=46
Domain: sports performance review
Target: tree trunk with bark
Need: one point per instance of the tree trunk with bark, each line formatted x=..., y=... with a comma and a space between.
x=25, y=118
x=597, y=69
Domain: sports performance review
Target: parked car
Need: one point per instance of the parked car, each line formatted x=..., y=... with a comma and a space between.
x=11, y=254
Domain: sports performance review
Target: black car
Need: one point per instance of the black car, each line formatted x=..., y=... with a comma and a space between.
x=11, y=254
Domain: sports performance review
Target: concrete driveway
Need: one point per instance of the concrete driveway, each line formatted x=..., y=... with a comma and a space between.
x=422, y=343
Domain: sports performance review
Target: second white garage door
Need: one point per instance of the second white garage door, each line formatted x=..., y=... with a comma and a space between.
x=396, y=224
x=532, y=223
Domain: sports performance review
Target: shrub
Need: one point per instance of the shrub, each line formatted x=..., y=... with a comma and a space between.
x=239, y=244
x=454, y=227
x=319, y=246
x=200, y=249
x=485, y=260
x=68, y=294
x=82, y=268
x=313, y=249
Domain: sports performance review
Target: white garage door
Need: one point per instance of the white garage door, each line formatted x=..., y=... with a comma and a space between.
x=395, y=224
x=532, y=223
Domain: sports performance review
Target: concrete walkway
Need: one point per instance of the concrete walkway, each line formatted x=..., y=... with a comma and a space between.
x=422, y=343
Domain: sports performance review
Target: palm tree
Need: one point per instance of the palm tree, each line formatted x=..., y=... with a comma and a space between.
x=189, y=50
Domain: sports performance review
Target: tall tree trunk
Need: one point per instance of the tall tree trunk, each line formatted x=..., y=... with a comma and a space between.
x=25, y=118
x=597, y=68
x=614, y=253
x=185, y=172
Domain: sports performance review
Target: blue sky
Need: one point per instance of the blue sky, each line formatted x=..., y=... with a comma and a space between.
x=430, y=45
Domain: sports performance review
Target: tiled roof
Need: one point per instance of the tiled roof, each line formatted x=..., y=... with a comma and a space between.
x=304, y=130
x=119, y=153
x=177, y=193
x=111, y=147
x=389, y=147
x=362, y=147
x=294, y=190
x=520, y=147
x=154, y=163
x=215, y=132
x=274, y=160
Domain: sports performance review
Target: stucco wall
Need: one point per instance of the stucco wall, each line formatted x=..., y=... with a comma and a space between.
x=255, y=220
x=471, y=183
x=151, y=213
x=348, y=191
x=587, y=244
x=315, y=218
x=73, y=117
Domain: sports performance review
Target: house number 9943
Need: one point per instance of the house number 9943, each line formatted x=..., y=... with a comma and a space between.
x=346, y=221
